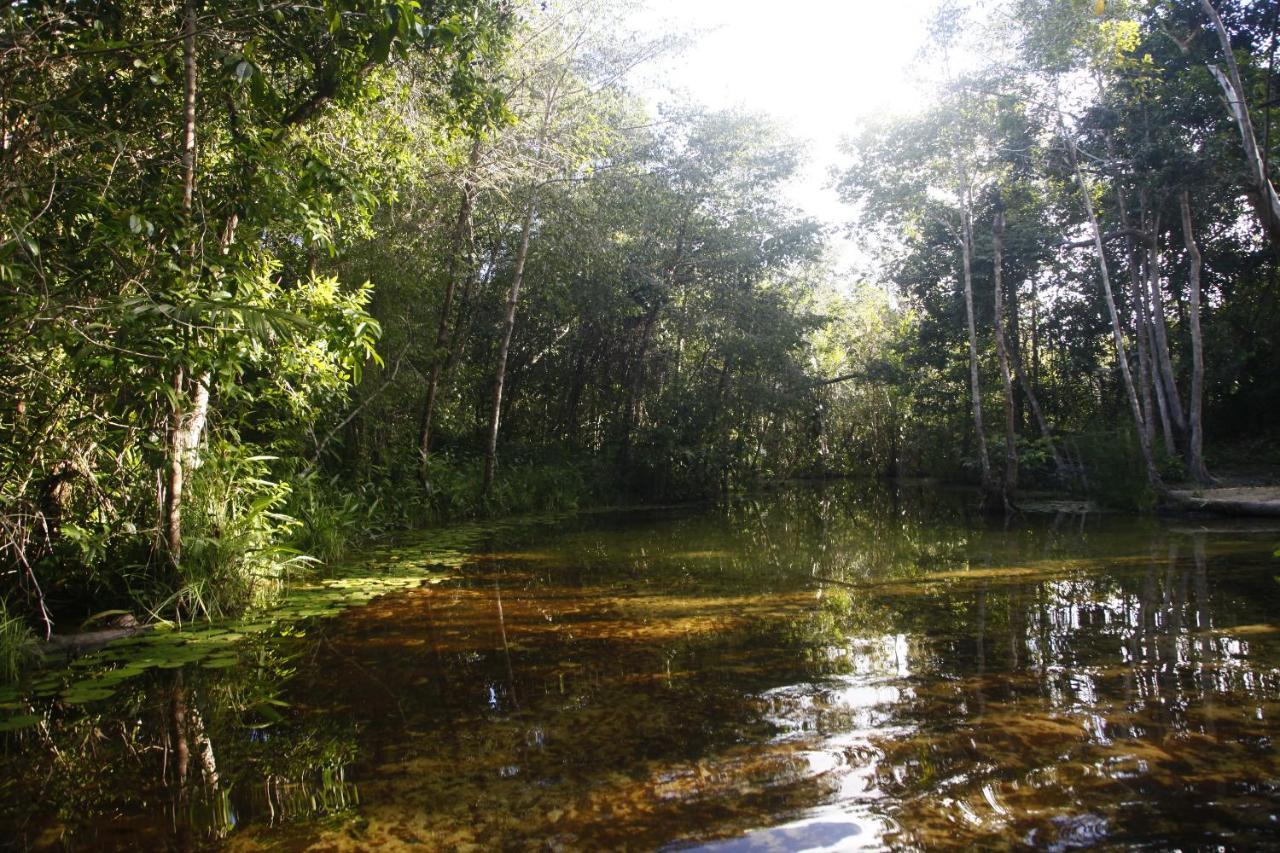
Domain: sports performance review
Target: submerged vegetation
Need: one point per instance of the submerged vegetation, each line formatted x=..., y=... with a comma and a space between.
x=877, y=664
x=280, y=279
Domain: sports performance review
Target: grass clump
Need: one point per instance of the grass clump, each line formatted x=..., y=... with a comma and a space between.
x=16, y=641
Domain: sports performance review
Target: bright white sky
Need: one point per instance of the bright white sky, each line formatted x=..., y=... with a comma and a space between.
x=822, y=67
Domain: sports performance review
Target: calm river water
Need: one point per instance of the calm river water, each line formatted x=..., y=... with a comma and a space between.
x=842, y=668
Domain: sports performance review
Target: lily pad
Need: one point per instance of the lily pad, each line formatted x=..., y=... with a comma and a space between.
x=13, y=724
x=78, y=694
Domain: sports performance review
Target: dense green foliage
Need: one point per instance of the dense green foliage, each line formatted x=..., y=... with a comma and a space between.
x=276, y=277
x=1118, y=98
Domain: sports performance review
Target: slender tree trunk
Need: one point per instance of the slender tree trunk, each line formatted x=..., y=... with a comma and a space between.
x=175, y=479
x=1195, y=442
x=1122, y=358
x=975, y=389
x=1027, y=384
x=178, y=733
x=1152, y=399
x=1010, y=433
x=462, y=328
x=1266, y=200
x=439, y=356
x=635, y=387
x=1142, y=343
x=1151, y=402
x=208, y=763
x=573, y=400
x=1013, y=310
x=1028, y=389
x=1162, y=398
x=1162, y=359
x=1035, y=334
x=188, y=106
x=636, y=381
x=1152, y=383
x=508, y=327
x=179, y=443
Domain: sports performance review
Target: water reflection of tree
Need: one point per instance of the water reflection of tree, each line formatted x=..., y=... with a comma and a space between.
x=1132, y=683
x=674, y=673
x=185, y=754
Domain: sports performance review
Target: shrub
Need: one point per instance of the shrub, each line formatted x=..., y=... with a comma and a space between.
x=234, y=530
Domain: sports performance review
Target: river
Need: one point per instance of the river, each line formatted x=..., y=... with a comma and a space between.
x=846, y=667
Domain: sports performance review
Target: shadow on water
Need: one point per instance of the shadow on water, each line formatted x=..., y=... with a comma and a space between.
x=838, y=668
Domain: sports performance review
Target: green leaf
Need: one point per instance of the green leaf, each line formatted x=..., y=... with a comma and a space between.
x=13, y=724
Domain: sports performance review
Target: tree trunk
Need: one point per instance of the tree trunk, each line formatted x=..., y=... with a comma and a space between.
x=1151, y=401
x=1163, y=361
x=1027, y=384
x=1035, y=334
x=508, y=327
x=635, y=383
x=1122, y=358
x=1151, y=379
x=975, y=390
x=573, y=400
x=1016, y=344
x=178, y=732
x=1195, y=442
x=1010, y=434
x=466, y=314
x=179, y=444
x=439, y=356
x=1028, y=389
x=1151, y=397
x=1266, y=200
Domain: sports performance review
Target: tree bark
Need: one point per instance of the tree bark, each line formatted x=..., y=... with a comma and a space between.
x=1010, y=482
x=1122, y=358
x=1027, y=384
x=508, y=328
x=1152, y=382
x=179, y=443
x=1016, y=344
x=636, y=382
x=1163, y=361
x=178, y=733
x=1195, y=441
x=1142, y=335
x=188, y=106
x=1028, y=389
x=1266, y=201
x=1151, y=391
x=975, y=389
x=439, y=356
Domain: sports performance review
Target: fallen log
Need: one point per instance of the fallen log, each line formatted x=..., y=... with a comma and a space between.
x=1254, y=503
x=87, y=641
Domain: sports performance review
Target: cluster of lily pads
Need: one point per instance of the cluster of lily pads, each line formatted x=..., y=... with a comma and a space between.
x=428, y=557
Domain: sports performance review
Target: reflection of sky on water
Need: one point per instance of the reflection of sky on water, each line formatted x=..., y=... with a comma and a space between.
x=829, y=674
x=838, y=720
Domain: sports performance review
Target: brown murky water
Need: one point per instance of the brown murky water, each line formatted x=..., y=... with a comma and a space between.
x=846, y=668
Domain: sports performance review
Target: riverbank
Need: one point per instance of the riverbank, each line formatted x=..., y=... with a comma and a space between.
x=1246, y=501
